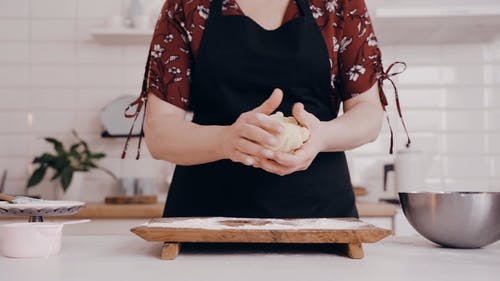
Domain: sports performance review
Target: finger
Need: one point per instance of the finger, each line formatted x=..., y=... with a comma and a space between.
x=258, y=135
x=287, y=159
x=304, y=117
x=243, y=158
x=273, y=167
x=250, y=148
x=267, y=123
x=268, y=106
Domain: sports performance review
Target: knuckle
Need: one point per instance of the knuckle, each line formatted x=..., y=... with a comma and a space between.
x=240, y=143
x=234, y=157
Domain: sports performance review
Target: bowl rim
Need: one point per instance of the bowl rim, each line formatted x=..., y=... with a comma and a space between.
x=452, y=192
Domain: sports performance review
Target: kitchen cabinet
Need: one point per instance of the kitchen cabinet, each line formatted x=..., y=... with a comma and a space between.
x=118, y=219
x=120, y=257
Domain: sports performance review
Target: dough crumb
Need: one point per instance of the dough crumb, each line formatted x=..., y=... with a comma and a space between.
x=294, y=135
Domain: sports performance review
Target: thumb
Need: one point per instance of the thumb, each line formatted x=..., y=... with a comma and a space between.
x=303, y=117
x=268, y=106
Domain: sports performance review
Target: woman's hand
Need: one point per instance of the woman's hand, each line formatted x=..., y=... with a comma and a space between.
x=249, y=138
x=286, y=163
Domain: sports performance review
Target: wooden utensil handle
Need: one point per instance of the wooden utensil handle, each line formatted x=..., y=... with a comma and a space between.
x=7, y=198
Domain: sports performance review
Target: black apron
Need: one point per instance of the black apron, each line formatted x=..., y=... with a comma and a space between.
x=238, y=65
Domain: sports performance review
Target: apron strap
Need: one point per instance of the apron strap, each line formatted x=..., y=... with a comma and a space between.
x=215, y=9
x=304, y=7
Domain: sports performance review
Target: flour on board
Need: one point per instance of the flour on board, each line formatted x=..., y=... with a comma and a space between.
x=220, y=223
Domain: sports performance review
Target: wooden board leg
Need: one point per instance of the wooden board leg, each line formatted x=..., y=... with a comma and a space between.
x=170, y=251
x=354, y=251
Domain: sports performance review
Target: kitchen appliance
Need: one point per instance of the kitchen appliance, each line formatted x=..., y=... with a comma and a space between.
x=454, y=219
x=2, y=181
x=112, y=119
x=32, y=240
x=346, y=233
x=410, y=169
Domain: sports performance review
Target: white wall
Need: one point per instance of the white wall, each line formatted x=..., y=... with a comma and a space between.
x=51, y=67
x=450, y=94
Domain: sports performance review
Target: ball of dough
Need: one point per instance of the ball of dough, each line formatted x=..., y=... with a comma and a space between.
x=294, y=135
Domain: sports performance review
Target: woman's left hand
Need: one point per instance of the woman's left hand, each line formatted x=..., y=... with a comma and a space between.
x=284, y=163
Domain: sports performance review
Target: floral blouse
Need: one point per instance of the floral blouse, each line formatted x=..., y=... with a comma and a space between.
x=355, y=58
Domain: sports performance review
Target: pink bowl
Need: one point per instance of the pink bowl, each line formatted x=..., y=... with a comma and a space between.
x=30, y=240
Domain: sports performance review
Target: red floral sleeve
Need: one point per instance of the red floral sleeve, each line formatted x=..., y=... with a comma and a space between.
x=170, y=58
x=360, y=63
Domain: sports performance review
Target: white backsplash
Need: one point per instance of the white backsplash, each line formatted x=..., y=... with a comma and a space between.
x=51, y=67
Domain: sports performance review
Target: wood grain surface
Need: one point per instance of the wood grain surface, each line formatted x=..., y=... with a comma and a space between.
x=348, y=241
x=136, y=199
x=364, y=234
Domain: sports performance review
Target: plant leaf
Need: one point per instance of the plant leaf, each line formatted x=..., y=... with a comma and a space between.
x=44, y=158
x=66, y=176
x=37, y=176
x=56, y=175
x=85, y=145
x=60, y=163
x=98, y=155
x=58, y=146
x=74, y=148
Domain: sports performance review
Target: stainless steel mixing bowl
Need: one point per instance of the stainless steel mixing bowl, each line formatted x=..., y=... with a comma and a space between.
x=454, y=219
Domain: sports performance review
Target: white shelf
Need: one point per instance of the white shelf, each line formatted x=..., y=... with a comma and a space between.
x=399, y=22
x=450, y=29
x=122, y=35
x=393, y=26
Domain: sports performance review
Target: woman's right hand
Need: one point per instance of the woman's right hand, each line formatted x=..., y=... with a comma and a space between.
x=250, y=137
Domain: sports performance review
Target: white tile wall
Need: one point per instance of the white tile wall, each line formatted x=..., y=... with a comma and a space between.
x=14, y=8
x=494, y=119
x=465, y=97
x=53, y=53
x=15, y=75
x=492, y=99
x=53, y=9
x=14, y=52
x=50, y=66
x=14, y=98
x=465, y=144
x=451, y=98
x=14, y=29
x=50, y=99
x=48, y=30
x=464, y=120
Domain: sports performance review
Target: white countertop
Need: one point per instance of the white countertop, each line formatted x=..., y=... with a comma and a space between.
x=128, y=257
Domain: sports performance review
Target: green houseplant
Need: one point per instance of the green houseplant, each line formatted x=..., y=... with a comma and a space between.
x=65, y=162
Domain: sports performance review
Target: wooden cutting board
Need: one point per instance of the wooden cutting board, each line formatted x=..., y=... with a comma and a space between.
x=350, y=233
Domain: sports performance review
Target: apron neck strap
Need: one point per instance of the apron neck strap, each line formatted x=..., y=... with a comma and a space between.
x=304, y=7
x=215, y=9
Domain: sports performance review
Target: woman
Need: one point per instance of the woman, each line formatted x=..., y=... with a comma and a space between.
x=233, y=63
